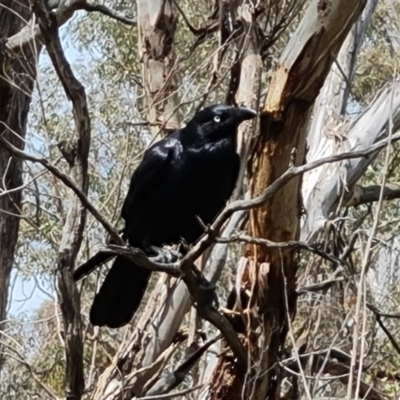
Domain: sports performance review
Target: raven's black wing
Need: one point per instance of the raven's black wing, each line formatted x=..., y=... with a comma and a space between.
x=152, y=167
x=150, y=171
x=122, y=291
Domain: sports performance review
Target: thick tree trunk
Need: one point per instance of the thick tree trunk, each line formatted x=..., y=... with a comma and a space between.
x=16, y=83
x=328, y=129
x=268, y=285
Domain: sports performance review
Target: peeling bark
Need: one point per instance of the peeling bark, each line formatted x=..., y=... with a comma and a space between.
x=329, y=122
x=157, y=23
x=268, y=282
x=16, y=84
x=335, y=185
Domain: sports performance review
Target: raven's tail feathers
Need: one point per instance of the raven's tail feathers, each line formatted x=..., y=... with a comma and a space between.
x=90, y=265
x=120, y=294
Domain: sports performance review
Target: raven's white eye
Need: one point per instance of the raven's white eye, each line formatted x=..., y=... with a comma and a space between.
x=217, y=118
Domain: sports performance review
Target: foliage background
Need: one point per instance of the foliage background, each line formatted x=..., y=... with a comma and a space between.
x=104, y=57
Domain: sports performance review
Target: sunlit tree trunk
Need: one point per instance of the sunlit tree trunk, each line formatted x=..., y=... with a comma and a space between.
x=268, y=283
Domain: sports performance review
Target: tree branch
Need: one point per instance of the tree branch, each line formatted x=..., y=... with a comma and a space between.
x=68, y=182
x=381, y=314
x=117, y=15
x=185, y=265
x=291, y=244
x=388, y=334
x=316, y=287
x=139, y=257
x=72, y=233
x=327, y=190
x=171, y=395
x=172, y=380
x=64, y=10
x=369, y=194
x=238, y=205
x=290, y=173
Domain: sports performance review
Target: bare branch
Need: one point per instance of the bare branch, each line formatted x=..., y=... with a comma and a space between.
x=171, y=395
x=169, y=382
x=21, y=359
x=381, y=314
x=325, y=285
x=65, y=9
x=140, y=258
x=290, y=173
x=69, y=183
x=388, y=334
x=117, y=15
x=190, y=279
x=369, y=194
x=228, y=211
x=292, y=244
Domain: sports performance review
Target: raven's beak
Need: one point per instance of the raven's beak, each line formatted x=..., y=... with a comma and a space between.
x=240, y=114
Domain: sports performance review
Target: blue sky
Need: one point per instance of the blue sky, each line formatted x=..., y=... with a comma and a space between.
x=25, y=297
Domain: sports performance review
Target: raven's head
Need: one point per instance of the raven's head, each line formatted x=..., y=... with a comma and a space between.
x=217, y=122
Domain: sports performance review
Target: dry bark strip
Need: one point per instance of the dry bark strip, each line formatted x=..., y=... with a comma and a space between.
x=270, y=275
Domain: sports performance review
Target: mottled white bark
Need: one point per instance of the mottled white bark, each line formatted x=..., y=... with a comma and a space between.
x=333, y=187
x=330, y=132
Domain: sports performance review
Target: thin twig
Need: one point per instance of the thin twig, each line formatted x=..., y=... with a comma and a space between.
x=68, y=182
x=290, y=244
x=381, y=314
x=64, y=10
x=117, y=15
x=170, y=395
x=291, y=335
x=365, y=262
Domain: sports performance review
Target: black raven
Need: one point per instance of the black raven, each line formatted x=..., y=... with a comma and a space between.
x=190, y=173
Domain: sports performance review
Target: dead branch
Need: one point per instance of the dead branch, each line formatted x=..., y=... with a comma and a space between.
x=342, y=372
x=379, y=316
x=201, y=290
x=338, y=366
x=290, y=173
x=325, y=285
x=207, y=312
x=137, y=256
x=238, y=205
